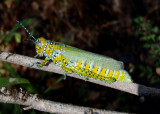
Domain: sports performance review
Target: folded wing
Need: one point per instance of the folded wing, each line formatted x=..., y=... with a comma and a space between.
x=75, y=54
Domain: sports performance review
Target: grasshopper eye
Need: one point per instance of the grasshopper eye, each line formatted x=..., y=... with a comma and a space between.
x=39, y=44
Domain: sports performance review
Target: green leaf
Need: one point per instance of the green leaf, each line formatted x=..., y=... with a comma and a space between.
x=158, y=38
x=143, y=38
x=29, y=88
x=6, y=81
x=155, y=30
x=154, y=52
x=135, y=20
x=139, y=20
x=157, y=62
x=154, y=80
x=146, y=38
x=2, y=36
x=141, y=67
x=142, y=74
x=25, y=22
x=148, y=25
x=2, y=47
x=139, y=32
x=33, y=112
x=11, y=70
x=147, y=45
x=17, y=109
x=53, y=84
x=8, y=38
x=17, y=37
x=152, y=36
x=149, y=69
x=14, y=74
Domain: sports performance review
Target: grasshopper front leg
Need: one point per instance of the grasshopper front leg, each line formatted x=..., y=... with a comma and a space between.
x=36, y=56
x=41, y=64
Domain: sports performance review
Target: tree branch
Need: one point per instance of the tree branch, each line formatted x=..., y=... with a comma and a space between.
x=22, y=97
x=132, y=88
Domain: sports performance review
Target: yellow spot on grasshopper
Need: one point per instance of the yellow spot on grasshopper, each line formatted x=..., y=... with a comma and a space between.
x=87, y=67
x=79, y=64
x=103, y=72
x=99, y=77
x=95, y=69
x=116, y=74
x=121, y=76
x=110, y=73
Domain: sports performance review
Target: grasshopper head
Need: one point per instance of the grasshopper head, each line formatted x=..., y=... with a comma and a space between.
x=40, y=45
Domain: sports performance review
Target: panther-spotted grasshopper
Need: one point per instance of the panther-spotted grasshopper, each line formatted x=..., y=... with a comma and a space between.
x=83, y=63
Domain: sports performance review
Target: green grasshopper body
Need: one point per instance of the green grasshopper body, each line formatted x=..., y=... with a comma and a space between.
x=83, y=63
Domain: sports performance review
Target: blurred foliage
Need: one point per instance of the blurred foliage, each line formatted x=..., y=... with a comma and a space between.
x=17, y=109
x=6, y=81
x=101, y=26
x=122, y=99
x=147, y=72
x=17, y=37
x=12, y=34
x=150, y=38
x=17, y=26
x=24, y=83
x=53, y=84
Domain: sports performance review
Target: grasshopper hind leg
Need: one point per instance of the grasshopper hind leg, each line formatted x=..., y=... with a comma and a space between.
x=65, y=74
x=66, y=71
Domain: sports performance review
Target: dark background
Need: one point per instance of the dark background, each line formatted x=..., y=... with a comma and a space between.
x=106, y=27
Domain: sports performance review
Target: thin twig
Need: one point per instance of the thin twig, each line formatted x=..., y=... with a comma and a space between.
x=132, y=88
x=22, y=97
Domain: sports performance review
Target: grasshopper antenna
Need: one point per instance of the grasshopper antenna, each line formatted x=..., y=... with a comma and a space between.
x=26, y=30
